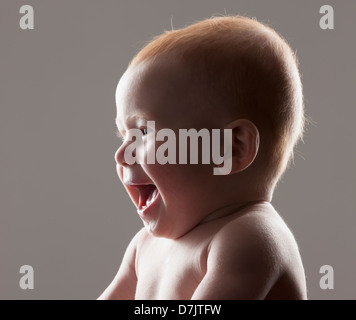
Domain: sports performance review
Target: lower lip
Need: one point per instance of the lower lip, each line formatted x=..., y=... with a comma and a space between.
x=151, y=207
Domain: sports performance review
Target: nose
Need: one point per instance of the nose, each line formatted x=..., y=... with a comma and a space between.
x=119, y=156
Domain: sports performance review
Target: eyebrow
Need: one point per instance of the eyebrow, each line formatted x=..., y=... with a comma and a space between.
x=134, y=117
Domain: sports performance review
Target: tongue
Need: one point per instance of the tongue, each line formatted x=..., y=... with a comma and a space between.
x=147, y=193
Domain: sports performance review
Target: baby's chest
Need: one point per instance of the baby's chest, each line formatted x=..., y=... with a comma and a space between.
x=168, y=274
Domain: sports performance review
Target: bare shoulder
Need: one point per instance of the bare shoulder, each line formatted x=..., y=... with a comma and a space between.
x=259, y=227
x=258, y=245
x=254, y=236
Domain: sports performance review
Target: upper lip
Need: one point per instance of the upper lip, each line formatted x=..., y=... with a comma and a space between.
x=134, y=183
x=138, y=184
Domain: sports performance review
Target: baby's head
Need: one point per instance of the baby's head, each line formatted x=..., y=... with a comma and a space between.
x=221, y=73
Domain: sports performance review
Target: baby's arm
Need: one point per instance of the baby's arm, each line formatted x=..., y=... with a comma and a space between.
x=123, y=286
x=241, y=264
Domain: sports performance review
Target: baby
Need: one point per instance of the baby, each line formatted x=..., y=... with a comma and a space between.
x=206, y=235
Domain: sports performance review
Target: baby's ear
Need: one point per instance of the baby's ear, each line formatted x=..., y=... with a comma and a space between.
x=245, y=144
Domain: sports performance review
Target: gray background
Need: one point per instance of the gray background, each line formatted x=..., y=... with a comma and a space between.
x=62, y=208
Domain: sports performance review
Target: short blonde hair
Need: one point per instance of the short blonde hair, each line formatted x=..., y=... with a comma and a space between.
x=251, y=70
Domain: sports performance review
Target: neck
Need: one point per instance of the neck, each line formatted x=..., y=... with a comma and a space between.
x=233, y=209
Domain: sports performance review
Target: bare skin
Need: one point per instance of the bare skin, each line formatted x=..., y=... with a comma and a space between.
x=250, y=254
x=205, y=236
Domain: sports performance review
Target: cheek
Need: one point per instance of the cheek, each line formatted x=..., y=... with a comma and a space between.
x=175, y=185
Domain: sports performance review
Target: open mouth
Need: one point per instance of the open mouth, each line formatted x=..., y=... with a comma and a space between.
x=147, y=194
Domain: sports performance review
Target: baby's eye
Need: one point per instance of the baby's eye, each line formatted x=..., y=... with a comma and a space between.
x=144, y=130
